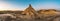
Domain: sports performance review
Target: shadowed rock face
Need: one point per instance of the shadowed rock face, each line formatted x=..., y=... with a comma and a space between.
x=49, y=18
x=49, y=11
x=28, y=13
x=7, y=17
x=57, y=19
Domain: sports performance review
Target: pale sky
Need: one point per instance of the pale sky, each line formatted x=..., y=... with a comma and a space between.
x=23, y=4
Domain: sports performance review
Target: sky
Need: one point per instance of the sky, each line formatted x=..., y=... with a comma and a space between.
x=23, y=4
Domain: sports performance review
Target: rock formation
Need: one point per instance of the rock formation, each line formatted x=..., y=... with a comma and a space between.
x=29, y=12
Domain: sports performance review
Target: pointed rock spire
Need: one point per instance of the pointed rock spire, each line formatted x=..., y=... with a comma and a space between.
x=29, y=10
x=30, y=7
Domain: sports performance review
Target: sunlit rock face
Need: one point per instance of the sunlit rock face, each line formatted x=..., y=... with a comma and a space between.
x=29, y=13
x=41, y=11
x=52, y=11
x=29, y=10
x=47, y=12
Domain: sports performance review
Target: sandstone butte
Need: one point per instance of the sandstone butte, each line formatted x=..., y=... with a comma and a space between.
x=31, y=13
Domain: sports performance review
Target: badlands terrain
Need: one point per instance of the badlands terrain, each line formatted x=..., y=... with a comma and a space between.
x=29, y=14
